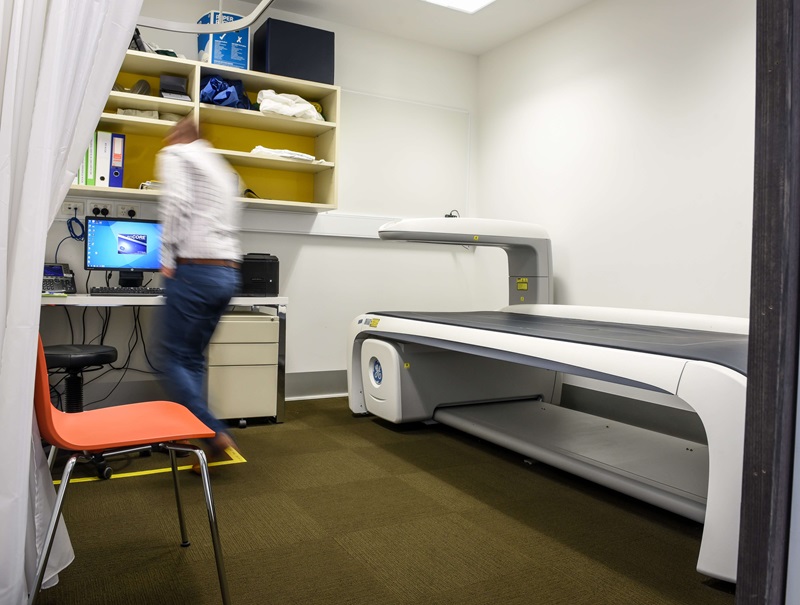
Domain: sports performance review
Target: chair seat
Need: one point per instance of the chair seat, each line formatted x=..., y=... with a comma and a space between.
x=128, y=425
x=78, y=356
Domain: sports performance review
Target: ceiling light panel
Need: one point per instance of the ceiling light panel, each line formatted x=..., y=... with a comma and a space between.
x=465, y=6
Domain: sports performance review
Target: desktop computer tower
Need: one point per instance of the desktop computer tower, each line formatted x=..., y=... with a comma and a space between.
x=259, y=275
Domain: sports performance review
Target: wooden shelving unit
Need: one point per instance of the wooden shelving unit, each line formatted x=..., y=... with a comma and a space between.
x=280, y=183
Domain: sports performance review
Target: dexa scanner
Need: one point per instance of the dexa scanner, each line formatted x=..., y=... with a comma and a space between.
x=651, y=404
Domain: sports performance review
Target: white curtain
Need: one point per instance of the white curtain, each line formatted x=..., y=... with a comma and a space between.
x=61, y=58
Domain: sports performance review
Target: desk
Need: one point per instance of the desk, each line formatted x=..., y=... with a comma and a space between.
x=279, y=303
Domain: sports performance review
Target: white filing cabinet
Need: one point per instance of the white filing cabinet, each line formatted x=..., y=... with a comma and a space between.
x=243, y=366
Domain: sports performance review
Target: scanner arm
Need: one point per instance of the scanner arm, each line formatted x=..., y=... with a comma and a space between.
x=530, y=261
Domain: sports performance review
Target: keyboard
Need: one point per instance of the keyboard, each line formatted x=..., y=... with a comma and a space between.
x=125, y=291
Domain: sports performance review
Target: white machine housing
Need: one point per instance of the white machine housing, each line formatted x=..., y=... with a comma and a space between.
x=509, y=389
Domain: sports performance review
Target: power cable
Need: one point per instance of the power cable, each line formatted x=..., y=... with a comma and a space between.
x=76, y=232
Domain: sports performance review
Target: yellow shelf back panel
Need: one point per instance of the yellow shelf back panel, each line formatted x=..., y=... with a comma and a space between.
x=279, y=185
x=243, y=139
x=140, y=154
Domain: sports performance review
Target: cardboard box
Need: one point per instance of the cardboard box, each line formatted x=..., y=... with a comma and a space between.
x=231, y=49
x=297, y=51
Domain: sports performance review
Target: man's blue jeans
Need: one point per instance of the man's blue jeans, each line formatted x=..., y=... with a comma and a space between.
x=196, y=298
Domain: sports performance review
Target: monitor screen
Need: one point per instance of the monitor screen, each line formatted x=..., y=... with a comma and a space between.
x=122, y=244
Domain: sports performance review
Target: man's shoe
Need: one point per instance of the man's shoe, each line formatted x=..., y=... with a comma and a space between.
x=218, y=450
x=221, y=443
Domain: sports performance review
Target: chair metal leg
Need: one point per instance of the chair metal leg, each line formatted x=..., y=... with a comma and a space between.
x=176, y=482
x=51, y=530
x=51, y=456
x=212, y=520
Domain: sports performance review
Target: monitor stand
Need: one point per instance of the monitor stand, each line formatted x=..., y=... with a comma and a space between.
x=132, y=279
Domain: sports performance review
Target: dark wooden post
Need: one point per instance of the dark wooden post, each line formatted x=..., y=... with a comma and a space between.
x=773, y=350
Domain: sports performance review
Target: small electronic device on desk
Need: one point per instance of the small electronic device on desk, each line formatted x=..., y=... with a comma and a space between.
x=125, y=245
x=58, y=279
x=259, y=275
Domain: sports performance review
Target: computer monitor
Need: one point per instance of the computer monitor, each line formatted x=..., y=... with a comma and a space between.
x=129, y=246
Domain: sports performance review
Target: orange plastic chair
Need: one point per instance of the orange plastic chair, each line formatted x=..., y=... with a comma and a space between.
x=122, y=429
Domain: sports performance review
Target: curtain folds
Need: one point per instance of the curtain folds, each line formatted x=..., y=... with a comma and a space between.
x=61, y=59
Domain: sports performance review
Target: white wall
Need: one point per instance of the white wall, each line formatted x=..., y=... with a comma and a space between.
x=330, y=280
x=626, y=130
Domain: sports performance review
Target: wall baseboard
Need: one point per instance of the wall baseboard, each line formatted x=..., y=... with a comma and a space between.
x=316, y=385
x=299, y=386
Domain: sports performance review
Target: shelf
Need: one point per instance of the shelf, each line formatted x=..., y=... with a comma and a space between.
x=255, y=81
x=127, y=100
x=115, y=122
x=241, y=158
x=151, y=195
x=661, y=469
x=152, y=64
x=310, y=186
x=256, y=204
x=255, y=120
x=113, y=193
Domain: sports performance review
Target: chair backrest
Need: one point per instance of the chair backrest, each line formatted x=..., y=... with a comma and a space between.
x=45, y=411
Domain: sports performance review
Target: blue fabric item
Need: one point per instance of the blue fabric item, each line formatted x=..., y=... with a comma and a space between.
x=197, y=296
x=228, y=93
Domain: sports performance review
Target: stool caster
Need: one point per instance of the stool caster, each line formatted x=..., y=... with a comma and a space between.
x=103, y=470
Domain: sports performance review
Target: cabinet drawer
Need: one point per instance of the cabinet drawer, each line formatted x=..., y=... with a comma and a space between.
x=242, y=354
x=243, y=392
x=251, y=327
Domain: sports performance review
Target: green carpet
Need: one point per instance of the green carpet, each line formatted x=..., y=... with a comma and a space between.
x=335, y=509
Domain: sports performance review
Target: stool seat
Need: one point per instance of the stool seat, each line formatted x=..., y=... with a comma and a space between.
x=73, y=360
x=78, y=356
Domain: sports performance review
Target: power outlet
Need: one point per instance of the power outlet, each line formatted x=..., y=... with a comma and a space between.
x=128, y=210
x=101, y=209
x=70, y=209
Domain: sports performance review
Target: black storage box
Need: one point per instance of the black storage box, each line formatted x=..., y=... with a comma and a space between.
x=259, y=275
x=297, y=51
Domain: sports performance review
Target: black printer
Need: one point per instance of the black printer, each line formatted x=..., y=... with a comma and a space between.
x=259, y=275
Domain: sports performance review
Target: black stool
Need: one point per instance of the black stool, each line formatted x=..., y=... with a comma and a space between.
x=73, y=360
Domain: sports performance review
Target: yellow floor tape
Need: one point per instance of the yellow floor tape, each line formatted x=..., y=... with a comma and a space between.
x=235, y=458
